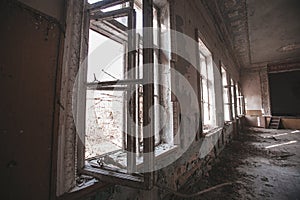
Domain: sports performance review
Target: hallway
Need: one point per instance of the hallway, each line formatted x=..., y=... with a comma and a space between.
x=261, y=169
x=149, y=99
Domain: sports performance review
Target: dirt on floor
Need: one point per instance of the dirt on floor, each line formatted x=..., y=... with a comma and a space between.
x=261, y=163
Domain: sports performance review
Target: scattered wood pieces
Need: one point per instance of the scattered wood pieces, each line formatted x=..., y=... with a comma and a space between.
x=283, y=156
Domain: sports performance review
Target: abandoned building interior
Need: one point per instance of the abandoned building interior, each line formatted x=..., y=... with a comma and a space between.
x=150, y=99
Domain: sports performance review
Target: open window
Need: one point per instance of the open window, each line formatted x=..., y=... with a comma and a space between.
x=207, y=87
x=124, y=135
x=239, y=100
x=233, y=98
x=226, y=96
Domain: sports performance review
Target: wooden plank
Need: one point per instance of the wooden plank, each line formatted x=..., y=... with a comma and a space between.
x=105, y=4
x=123, y=12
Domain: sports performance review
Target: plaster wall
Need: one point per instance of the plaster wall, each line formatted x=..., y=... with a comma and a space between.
x=53, y=8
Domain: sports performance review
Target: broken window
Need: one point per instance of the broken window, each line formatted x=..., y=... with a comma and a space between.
x=118, y=103
x=207, y=87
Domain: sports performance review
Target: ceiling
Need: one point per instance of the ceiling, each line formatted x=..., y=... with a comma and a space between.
x=263, y=31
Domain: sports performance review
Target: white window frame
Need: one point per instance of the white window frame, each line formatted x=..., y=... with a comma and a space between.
x=206, y=85
x=144, y=180
x=226, y=96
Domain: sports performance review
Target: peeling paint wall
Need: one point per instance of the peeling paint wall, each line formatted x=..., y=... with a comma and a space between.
x=71, y=112
x=265, y=94
x=255, y=87
x=251, y=87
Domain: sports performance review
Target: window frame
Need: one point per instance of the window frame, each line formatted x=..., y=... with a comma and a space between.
x=233, y=99
x=226, y=95
x=204, y=53
x=134, y=180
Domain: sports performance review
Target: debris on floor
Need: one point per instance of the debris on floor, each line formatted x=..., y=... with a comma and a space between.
x=260, y=173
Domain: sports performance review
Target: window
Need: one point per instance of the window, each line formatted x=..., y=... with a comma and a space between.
x=117, y=103
x=233, y=98
x=207, y=88
x=239, y=105
x=226, y=96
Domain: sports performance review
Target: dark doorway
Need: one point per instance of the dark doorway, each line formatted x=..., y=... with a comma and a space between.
x=285, y=93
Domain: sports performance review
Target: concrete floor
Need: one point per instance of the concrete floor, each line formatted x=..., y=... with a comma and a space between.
x=266, y=164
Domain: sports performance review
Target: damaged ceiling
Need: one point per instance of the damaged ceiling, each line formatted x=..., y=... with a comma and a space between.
x=263, y=31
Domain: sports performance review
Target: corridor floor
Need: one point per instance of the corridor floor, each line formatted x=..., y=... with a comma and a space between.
x=263, y=163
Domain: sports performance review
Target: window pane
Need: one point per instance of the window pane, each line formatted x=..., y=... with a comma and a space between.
x=225, y=95
x=227, y=112
x=204, y=90
x=104, y=122
x=207, y=89
x=232, y=98
x=203, y=67
x=104, y=65
x=206, y=114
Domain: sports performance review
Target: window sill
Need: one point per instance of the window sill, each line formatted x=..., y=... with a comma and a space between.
x=87, y=190
x=212, y=131
x=117, y=160
x=119, y=176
